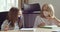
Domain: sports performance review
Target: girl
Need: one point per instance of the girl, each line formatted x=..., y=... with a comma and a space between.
x=46, y=17
x=14, y=20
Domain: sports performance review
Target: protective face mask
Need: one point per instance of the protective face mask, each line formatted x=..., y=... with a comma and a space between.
x=20, y=13
x=46, y=14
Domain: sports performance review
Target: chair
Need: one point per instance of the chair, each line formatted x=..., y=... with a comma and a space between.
x=30, y=11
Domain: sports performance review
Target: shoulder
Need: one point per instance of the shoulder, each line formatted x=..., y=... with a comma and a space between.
x=38, y=16
x=5, y=22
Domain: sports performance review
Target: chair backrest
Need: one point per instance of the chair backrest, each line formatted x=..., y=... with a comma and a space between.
x=30, y=8
x=30, y=11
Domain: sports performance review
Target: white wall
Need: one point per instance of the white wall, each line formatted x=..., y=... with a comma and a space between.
x=55, y=3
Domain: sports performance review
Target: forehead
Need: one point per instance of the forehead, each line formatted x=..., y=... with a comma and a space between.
x=45, y=5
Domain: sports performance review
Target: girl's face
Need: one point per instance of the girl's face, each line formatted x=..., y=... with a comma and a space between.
x=46, y=13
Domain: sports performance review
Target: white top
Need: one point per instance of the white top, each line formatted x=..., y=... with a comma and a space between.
x=39, y=20
x=16, y=27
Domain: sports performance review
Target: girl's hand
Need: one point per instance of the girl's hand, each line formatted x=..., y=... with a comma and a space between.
x=6, y=28
x=41, y=25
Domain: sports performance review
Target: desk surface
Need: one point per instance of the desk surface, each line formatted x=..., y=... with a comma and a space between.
x=30, y=30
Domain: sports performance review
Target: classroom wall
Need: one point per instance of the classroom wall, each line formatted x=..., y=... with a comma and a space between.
x=55, y=3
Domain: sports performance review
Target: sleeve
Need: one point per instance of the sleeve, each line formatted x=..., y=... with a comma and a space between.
x=37, y=21
x=4, y=24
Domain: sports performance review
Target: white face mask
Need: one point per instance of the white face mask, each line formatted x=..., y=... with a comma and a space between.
x=45, y=13
x=19, y=14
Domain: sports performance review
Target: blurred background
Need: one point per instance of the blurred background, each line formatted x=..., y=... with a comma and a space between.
x=30, y=9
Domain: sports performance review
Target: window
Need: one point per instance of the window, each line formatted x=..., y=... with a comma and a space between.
x=5, y=5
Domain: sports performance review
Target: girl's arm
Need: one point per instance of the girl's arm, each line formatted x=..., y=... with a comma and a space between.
x=57, y=22
x=5, y=26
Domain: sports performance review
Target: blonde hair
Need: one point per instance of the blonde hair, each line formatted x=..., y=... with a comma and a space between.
x=50, y=9
x=53, y=12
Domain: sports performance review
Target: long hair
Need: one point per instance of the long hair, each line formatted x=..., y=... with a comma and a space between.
x=50, y=9
x=13, y=15
x=52, y=12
